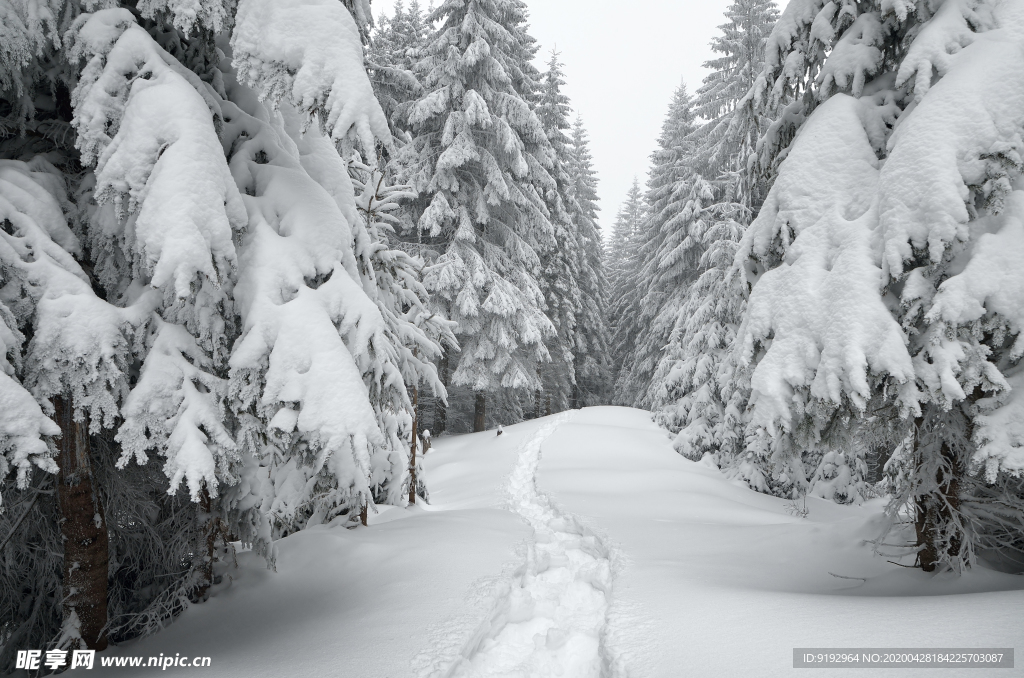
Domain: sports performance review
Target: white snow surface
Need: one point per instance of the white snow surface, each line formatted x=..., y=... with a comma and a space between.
x=165, y=162
x=581, y=545
x=290, y=50
x=819, y=314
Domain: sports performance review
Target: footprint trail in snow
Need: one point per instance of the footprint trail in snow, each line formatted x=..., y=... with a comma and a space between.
x=552, y=622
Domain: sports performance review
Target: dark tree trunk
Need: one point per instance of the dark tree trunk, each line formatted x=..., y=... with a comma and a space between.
x=208, y=528
x=938, y=512
x=413, y=479
x=440, y=409
x=480, y=413
x=84, y=529
x=574, y=402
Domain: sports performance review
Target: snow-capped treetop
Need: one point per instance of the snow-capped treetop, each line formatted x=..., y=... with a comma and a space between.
x=481, y=162
x=726, y=143
x=668, y=255
x=591, y=346
x=553, y=108
x=581, y=170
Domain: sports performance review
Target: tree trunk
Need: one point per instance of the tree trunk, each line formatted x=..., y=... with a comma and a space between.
x=208, y=528
x=548, y=409
x=574, y=403
x=480, y=413
x=938, y=534
x=440, y=409
x=412, y=456
x=84, y=529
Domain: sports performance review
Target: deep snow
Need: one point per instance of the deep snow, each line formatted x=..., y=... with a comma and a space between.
x=582, y=543
x=552, y=621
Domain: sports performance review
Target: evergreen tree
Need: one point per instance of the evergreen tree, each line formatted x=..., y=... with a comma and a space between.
x=561, y=262
x=478, y=154
x=592, y=352
x=391, y=277
x=695, y=390
x=204, y=307
x=698, y=391
x=726, y=143
x=874, y=309
x=623, y=277
x=668, y=253
x=394, y=50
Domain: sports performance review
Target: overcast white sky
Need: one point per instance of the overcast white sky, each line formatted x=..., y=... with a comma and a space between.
x=622, y=61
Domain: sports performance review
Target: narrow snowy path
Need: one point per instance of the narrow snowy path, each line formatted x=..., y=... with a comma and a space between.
x=553, y=619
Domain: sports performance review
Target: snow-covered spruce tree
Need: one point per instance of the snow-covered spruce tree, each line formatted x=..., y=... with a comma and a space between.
x=624, y=290
x=76, y=366
x=330, y=448
x=591, y=347
x=668, y=254
x=476, y=158
x=218, y=256
x=562, y=260
x=414, y=334
x=725, y=144
x=697, y=389
x=78, y=358
x=884, y=296
x=393, y=53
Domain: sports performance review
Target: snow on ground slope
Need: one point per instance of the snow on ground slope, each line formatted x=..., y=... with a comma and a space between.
x=715, y=580
x=551, y=620
x=582, y=545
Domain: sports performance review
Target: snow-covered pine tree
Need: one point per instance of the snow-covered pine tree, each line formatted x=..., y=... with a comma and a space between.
x=477, y=155
x=414, y=335
x=76, y=368
x=561, y=262
x=669, y=255
x=698, y=390
x=591, y=347
x=210, y=255
x=393, y=53
x=884, y=296
x=726, y=143
x=324, y=437
x=624, y=266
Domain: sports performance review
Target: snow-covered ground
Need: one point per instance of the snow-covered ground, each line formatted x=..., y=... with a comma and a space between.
x=582, y=545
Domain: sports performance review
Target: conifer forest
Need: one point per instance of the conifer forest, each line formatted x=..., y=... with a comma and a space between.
x=325, y=349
